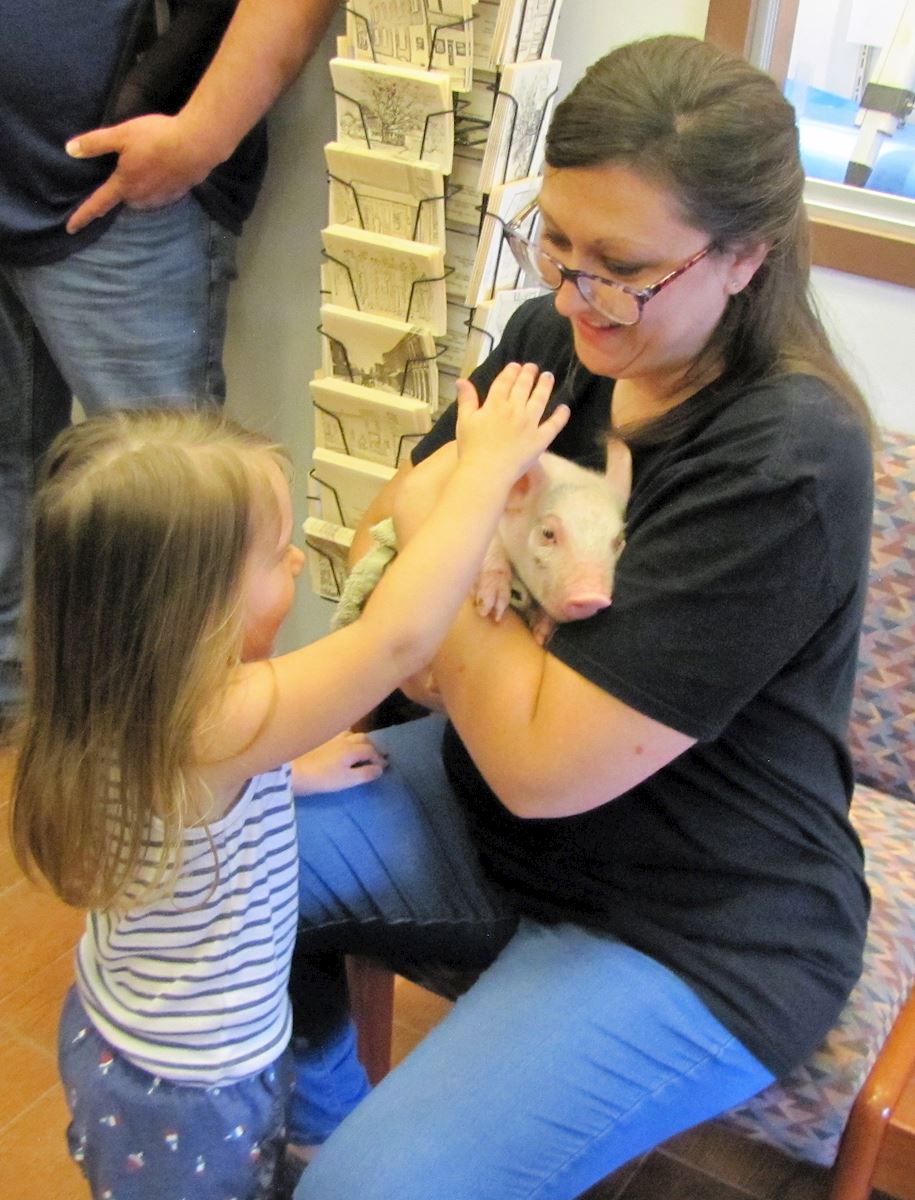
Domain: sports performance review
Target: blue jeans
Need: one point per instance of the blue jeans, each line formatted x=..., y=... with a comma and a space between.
x=571, y=1054
x=135, y=319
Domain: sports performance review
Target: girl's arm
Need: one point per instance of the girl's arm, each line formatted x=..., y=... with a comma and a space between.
x=547, y=741
x=277, y=710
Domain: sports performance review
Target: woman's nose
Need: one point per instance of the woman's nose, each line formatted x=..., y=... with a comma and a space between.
x=569, y=300
x=298, y=559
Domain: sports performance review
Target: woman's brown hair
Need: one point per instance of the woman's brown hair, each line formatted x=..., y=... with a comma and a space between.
x=719, y=136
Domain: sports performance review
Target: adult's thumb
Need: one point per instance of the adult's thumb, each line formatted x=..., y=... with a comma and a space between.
x=97, y=141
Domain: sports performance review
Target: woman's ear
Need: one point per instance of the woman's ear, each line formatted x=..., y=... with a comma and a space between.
x=747, y=261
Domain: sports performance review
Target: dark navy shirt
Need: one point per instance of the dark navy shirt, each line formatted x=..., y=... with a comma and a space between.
x=59, y=62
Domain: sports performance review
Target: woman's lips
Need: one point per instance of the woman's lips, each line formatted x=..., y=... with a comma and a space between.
x=593, y=332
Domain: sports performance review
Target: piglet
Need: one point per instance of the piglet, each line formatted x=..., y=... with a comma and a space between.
x=559, y=538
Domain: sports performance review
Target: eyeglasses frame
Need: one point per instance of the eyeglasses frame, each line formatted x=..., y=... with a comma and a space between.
x=573, y=275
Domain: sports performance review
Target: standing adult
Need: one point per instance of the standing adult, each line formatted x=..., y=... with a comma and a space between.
x=639, y=832
x=117, y=245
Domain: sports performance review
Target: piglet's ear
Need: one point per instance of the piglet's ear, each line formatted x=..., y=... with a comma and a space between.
x=532, y=481
x=619, y=471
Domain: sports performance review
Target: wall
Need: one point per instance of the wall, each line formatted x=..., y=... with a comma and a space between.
x=273, y=346
x=872, y=325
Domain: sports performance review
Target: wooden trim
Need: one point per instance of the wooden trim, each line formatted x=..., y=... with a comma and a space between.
x=888, y=257
x=872, y=1111
x=728, y=25
x=785, y=24
x=371, y=997
x=862, y=252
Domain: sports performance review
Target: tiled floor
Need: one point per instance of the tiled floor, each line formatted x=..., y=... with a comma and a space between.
x=37, y=935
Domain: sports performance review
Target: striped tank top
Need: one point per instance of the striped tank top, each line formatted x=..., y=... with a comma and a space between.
x=193, y=988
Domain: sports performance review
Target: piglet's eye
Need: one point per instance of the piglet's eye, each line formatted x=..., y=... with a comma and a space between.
x=547, y=534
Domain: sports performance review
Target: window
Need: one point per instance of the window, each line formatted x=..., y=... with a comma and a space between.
x=848, y=66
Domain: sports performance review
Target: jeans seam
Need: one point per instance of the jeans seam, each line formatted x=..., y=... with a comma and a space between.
x=710, y=1056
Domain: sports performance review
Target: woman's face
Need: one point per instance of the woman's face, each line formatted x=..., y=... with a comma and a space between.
x=611, y=221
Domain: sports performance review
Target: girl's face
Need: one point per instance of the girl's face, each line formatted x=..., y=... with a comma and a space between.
x=270, y=573
x=611, y=221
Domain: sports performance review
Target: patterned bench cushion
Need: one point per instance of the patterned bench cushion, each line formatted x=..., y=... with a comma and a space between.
x=882, y=734
x=805, y=1113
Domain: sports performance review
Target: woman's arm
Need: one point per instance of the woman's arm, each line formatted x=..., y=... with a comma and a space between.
x=547, y=741
x=381, y=507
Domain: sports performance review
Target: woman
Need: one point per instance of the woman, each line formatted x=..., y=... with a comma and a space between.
x=639, y=832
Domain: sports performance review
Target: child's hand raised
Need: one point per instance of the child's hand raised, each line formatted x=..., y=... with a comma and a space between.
x=507, y=431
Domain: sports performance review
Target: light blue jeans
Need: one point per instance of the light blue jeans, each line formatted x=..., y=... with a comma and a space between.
x=570, y=1055
x=135, y=319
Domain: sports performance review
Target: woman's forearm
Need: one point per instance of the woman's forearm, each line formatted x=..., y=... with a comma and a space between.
x=547, y=741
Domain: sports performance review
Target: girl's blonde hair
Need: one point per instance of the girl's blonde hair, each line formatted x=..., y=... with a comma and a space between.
x=134, y=622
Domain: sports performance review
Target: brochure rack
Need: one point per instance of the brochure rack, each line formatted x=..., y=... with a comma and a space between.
x=420, y=175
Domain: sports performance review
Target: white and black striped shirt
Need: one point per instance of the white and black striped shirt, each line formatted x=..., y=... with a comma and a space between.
x=194, y=988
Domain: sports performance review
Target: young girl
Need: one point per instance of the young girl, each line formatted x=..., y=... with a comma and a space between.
x=150, y=787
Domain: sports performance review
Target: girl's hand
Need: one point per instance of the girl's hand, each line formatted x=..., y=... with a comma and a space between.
x=345, y=761
x=506, y=433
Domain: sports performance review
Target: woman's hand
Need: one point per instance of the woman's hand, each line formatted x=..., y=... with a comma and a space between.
x=343, y=762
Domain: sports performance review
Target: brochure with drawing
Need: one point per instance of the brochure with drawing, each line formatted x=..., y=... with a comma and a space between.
x=366, y=422
x=451, y=346
x=514, y=148
x=326, y=549
x=436, y=34
x=524, y=31
x=399, y=110
x=386, y=276
x=346, y=485
x=464, y=201
x=495, y=267
x=488, y=324
x=379, y=352
x=382, y=194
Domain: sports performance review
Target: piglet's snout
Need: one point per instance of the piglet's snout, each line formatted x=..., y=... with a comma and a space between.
x=576, y=608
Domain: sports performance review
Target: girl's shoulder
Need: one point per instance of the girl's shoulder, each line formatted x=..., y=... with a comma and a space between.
x=231, y=726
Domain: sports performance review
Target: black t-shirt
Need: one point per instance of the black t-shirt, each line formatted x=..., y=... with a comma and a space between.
x=736, y=608
x=60, y=64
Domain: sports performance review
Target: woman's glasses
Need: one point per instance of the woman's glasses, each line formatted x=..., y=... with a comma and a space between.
x=612, y=300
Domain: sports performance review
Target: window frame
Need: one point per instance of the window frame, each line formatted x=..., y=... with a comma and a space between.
x=841, y=236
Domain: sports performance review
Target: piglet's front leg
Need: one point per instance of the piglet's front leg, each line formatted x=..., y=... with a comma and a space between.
x=493, y=589
x=542, y=626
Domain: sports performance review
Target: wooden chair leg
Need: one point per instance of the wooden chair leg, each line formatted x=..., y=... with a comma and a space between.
x=371, y=990
x=862, y=1141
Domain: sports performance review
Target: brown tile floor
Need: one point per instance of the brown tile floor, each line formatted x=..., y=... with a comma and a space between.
x=37, y=935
